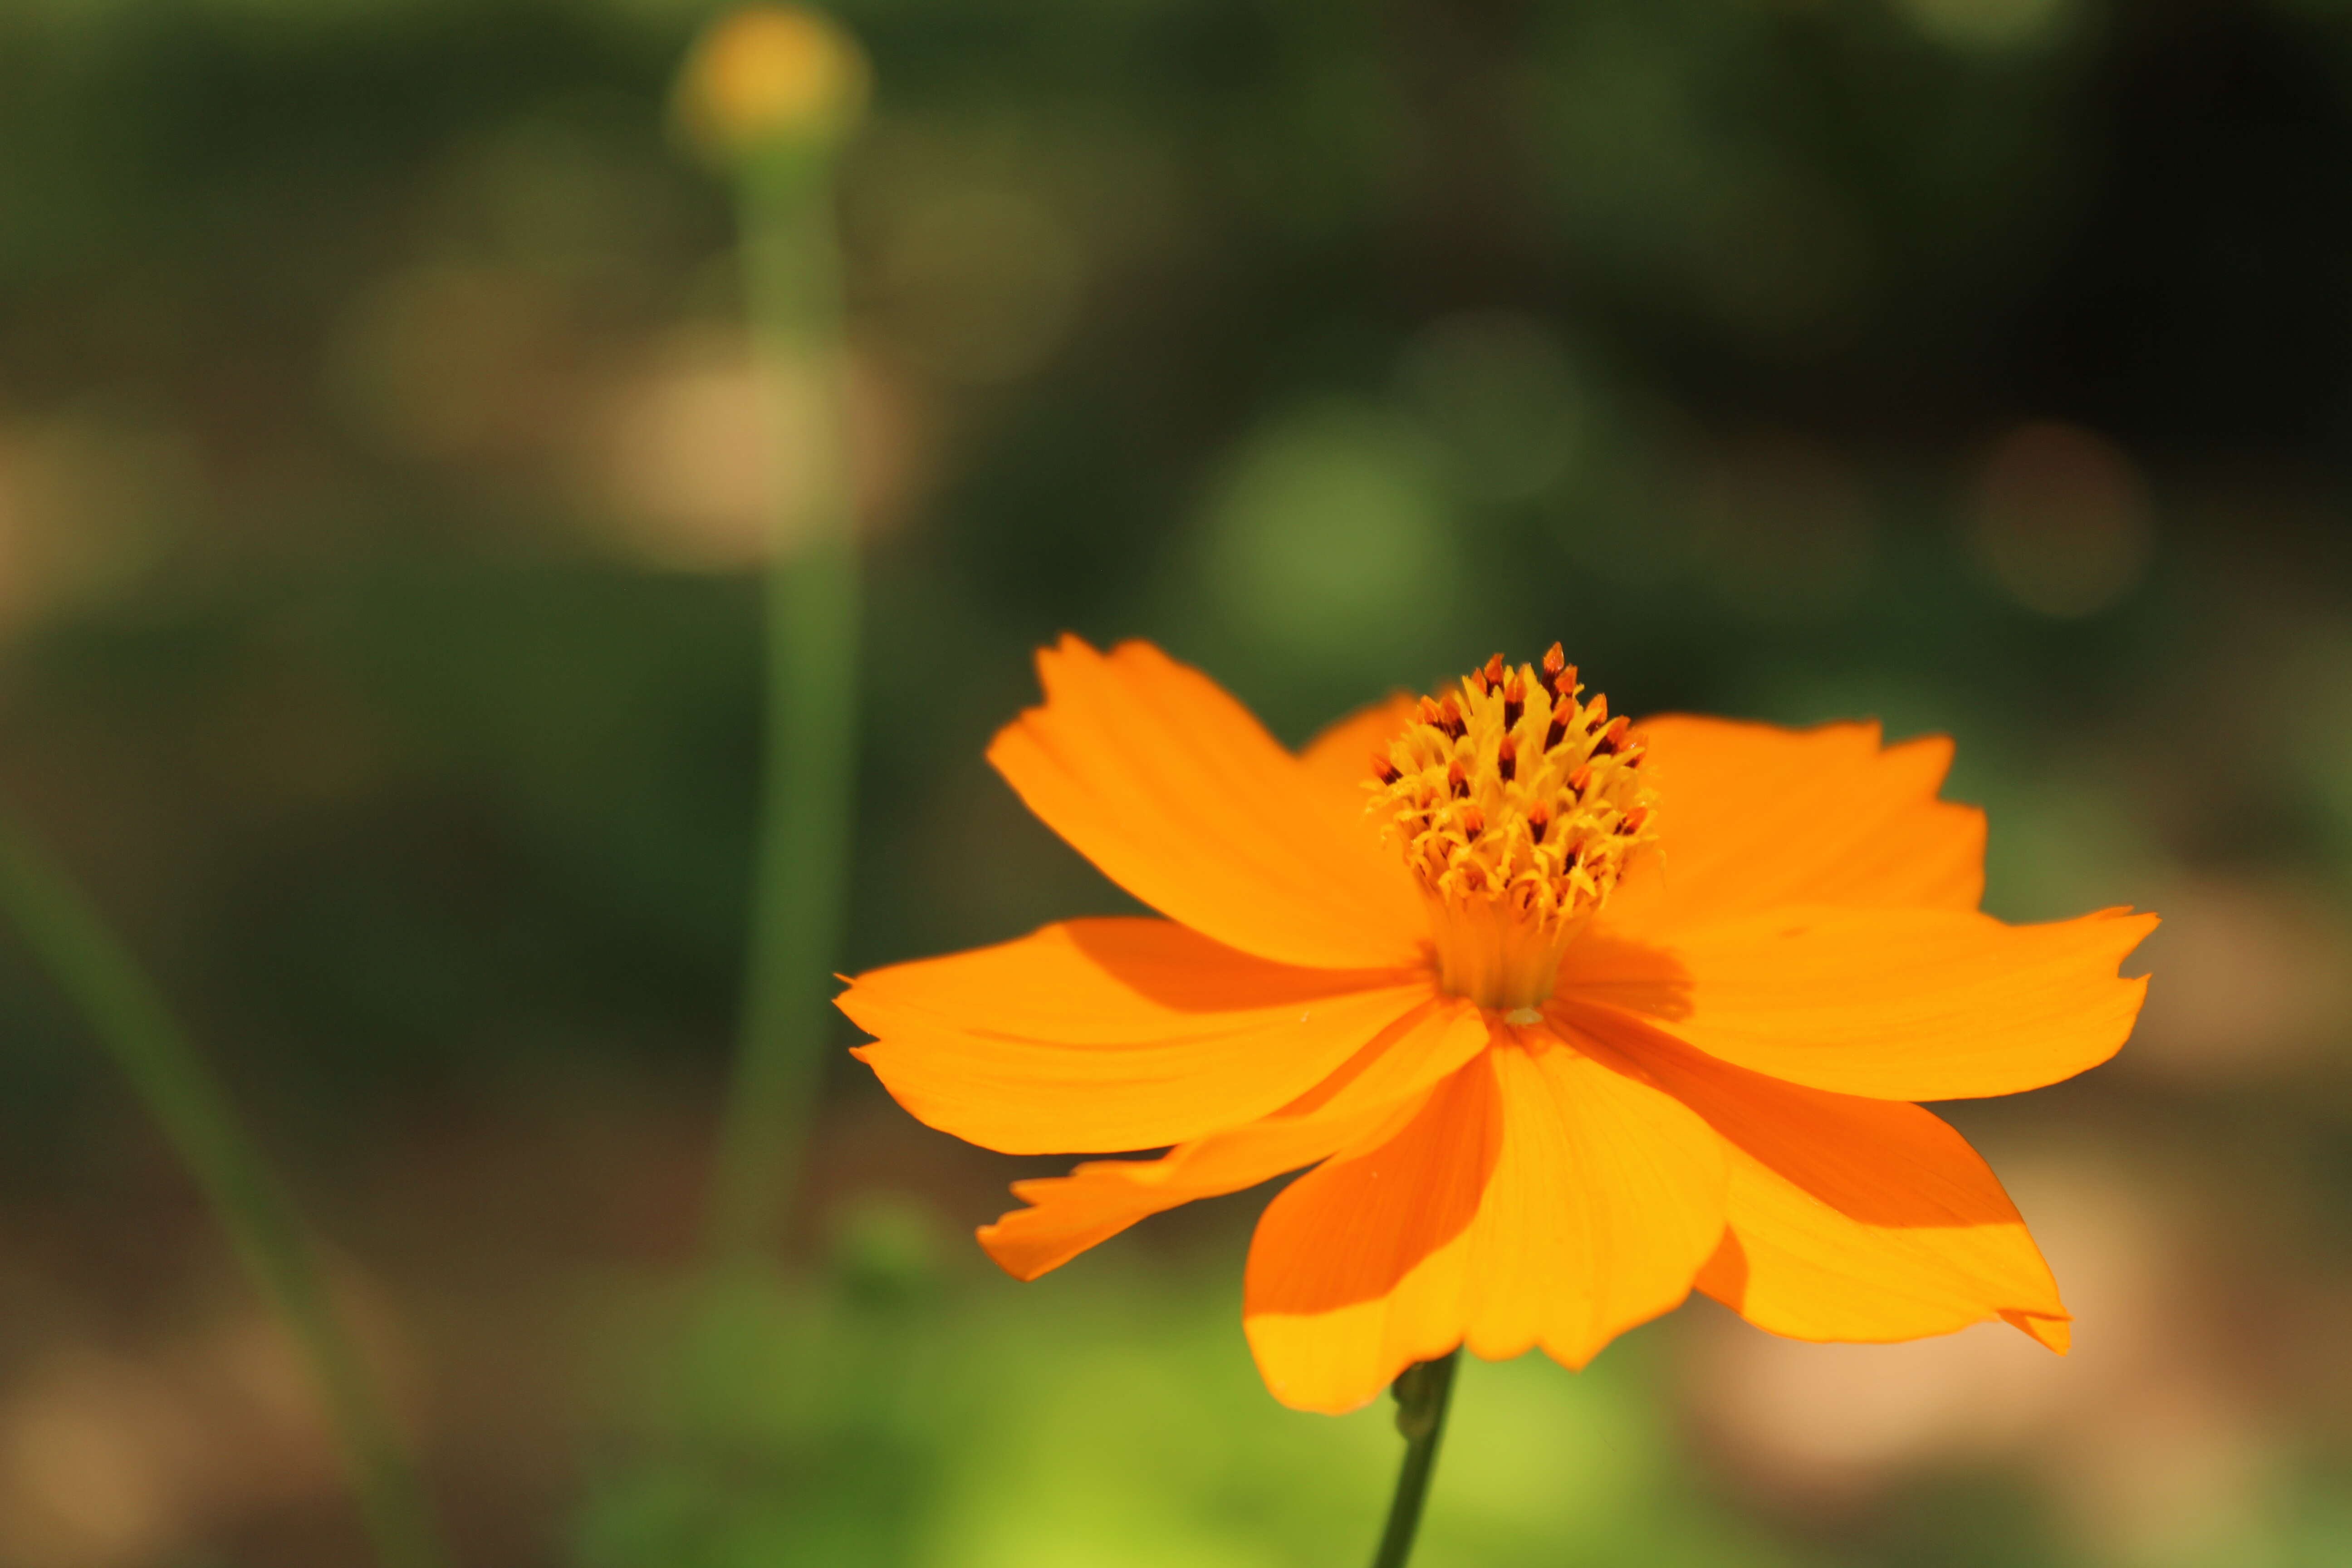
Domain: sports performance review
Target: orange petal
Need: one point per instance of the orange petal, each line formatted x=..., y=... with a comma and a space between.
x=1112, y=1034
x=1340, y=760
x=1752, y=816
x=1540, y=1197
x=1168, y=785
x=1103, y=1197
x=1342, y=754
x=1890, y=1004
x=1850, y=1218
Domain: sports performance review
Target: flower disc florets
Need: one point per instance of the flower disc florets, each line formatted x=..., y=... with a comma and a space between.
x=1517, y=804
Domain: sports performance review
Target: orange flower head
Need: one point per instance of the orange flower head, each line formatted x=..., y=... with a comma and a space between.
x=1516, y=808
x=1571, y=1018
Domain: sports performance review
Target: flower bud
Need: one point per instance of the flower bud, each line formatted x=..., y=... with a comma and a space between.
x=765, y=77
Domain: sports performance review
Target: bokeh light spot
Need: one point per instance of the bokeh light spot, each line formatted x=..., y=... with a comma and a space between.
x=445, y=361
x=1501, y=396
x=1330, y=529
x=1987, y=24
x=704, y=456
x=91, y=502
x=1787, y=526
x=2061, y=518
x=977, y=282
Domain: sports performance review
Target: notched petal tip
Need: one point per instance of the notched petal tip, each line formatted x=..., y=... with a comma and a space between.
x=1852, y=1220
x=1753, y=816
x=1916, y=1004
x=1382, y=1085
x=1151, y=771
x=1113, y=1034
x=1009, y=1251
x=2055, y=1333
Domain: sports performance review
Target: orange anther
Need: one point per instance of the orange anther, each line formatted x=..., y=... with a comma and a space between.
x=1473, y=823
x=1555, y=659
x=1506, y=759
x=1449, y=717
x=1382, y=769
x=1457, y=781
x=1493, y=674
x=1634, y=820
x=1579, y=778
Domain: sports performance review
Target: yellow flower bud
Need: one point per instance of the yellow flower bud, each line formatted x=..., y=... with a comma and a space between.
x=765, y=76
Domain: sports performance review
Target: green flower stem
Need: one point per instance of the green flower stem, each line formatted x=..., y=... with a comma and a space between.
x=793, y=287
x=130, y=1020
x=1423, y=1390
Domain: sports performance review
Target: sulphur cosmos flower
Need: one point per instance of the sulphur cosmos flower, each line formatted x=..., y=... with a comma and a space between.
x=1568, y=1015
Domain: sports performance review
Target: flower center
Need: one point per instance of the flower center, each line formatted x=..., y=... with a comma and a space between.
x=1517, y=806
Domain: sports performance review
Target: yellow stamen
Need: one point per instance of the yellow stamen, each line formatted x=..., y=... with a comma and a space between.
x=1517, y=806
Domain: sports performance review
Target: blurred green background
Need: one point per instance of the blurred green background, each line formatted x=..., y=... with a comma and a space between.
x=381, y=473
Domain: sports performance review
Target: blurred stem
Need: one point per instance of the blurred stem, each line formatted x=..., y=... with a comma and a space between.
x=124, y=1011
x=1423, y=1391
x=792, y=284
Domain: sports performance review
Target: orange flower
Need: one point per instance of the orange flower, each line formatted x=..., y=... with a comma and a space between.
x=1575, y=1016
